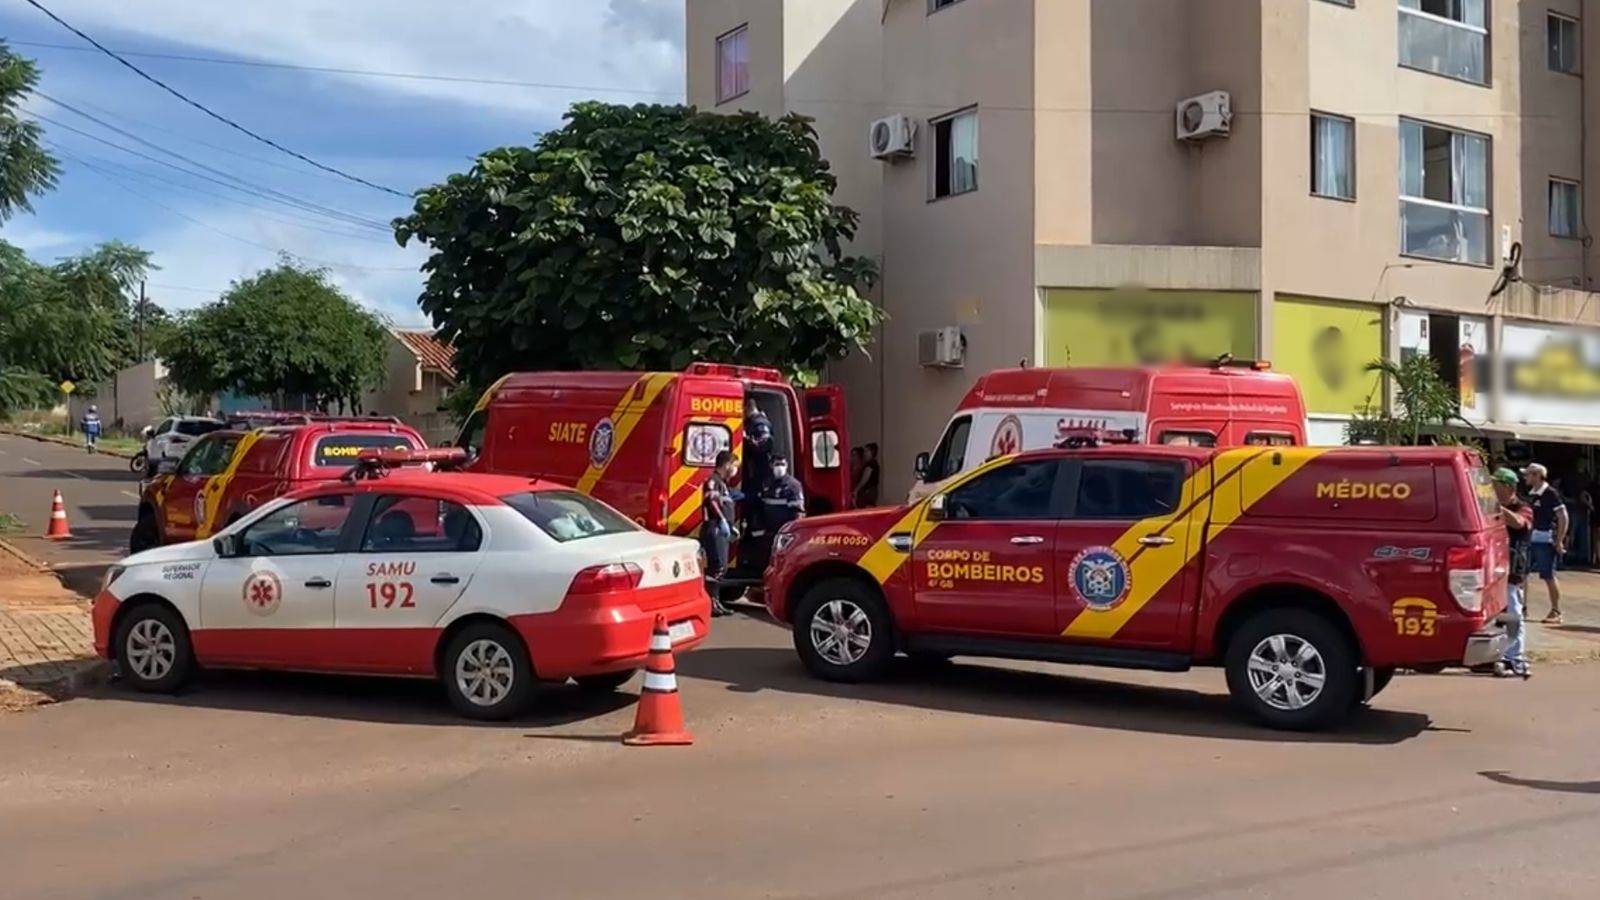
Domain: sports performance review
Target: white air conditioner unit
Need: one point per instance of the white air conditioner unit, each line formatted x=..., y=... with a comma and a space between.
x=1206, y=116
x=892, y=136
x=942, y=348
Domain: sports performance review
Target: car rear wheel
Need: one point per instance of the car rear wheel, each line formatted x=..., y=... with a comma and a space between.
x=153, y=649
x=1292, y=669
x=146, y=532
x=605, y=682
x=487, y=673
x=842, y=631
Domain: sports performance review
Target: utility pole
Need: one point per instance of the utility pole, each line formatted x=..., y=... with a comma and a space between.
x=139, y=321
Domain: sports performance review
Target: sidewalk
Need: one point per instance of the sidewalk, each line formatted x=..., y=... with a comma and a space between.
x=46, y=643
x=1579, y=637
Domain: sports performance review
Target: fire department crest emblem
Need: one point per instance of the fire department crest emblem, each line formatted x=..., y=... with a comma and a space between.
x=262, y=593
x=1100, y=577
x=601, y=440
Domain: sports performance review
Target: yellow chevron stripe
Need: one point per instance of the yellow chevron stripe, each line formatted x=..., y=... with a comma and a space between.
x=624, y=417
x=1222, y=499
x=488, y=394
x=217, y=485
x=881, y=560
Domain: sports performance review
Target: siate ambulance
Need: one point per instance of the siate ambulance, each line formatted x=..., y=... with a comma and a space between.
x=1227, y=404
x=645, y=443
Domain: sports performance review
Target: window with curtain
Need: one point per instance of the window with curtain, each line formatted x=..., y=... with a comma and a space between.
x=1562, y=36
x=1444, y=193
x=1333, y=156
x=1446, y=37
x=955, y=154
x=733, y=64
x=1564, y=200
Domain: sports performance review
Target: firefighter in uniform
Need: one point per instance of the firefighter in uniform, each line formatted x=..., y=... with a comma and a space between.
x=780, y=502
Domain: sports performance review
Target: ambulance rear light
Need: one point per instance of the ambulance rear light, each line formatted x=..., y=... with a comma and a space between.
x=595, y=582
x=1466, y=569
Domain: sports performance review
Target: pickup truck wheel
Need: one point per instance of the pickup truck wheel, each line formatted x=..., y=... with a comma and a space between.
x=146, y=533
x=1293, y=669
x=842, y=631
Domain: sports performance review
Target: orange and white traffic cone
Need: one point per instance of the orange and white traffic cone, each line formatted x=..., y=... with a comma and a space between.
x=58, y=530
x=659, y=719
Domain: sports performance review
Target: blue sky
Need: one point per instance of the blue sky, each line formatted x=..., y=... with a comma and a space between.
x=403, y=133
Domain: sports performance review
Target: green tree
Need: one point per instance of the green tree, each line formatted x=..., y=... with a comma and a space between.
x=644, y=237
x=26, y=170
x=1423, y=403
x=66, y=322
x=286, y=331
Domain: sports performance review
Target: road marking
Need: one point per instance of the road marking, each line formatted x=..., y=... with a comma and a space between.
x=32, y=462
x=130, y=494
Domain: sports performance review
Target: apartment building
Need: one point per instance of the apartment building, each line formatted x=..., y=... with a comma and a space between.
x=1350, y=182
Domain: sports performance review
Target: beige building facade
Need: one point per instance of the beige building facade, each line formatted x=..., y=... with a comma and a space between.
x=1384, y=162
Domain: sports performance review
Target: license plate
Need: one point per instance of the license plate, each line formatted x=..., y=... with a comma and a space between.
x=681, y=631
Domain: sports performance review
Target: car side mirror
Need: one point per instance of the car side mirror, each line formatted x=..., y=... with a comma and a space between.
x=938, y=507
x=226, y=545
x=921, y=466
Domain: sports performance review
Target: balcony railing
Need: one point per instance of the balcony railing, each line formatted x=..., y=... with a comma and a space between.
x=1444, y=231
x=1443, y=46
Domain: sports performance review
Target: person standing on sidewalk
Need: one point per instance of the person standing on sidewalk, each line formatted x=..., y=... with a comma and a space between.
x=91, y=429
x=1549, y=538
x=1518, y=517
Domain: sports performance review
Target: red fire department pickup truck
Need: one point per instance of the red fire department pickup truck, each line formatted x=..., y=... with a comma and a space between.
x=1309, y=574
x=228, y=473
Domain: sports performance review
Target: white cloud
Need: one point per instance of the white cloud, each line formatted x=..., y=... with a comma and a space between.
x=40, y=242
x=635, y=44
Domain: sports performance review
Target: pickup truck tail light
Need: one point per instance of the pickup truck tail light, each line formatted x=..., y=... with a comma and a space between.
x=1467, y=570
x=601, y=585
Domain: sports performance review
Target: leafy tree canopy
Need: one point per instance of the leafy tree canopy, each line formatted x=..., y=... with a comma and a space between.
x=26, y=170
x=644, y=237
x=1423, y=403
x=287, y=330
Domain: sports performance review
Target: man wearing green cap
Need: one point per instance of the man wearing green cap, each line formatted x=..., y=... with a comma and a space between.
x=1518, y=517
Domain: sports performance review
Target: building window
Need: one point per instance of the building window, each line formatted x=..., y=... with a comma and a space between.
x=936, y=5
x=733, y=64
x=1333, y=156
x=1562, y=36
x=1446, y=37
x=955, y=154
x=1564, y=200
x=1444, y=193
x=1350, y=3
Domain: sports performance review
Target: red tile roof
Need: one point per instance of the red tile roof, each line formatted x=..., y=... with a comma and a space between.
x=433, y=353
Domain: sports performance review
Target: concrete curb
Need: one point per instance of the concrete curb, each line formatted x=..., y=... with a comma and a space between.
x=65, y=442
x=8, y=547
x=92, y=674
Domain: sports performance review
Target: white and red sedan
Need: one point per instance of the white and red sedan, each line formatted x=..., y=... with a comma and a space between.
x=489, y=583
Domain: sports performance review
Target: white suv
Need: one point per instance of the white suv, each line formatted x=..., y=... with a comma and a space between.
x=171, y=438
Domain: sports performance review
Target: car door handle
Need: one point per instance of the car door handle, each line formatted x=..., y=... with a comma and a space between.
x=319, y=583
x=1156, y=540
x=445, y=579
x=1025, y=539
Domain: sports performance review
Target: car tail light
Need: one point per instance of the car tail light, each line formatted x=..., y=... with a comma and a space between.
x=1466, y=569
x=596, y=583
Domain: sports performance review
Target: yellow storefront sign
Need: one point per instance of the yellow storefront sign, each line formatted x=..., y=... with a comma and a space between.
x=1137, y=326
x=1326, y=346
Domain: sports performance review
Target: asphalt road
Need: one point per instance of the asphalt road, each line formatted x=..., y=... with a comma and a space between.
x=100, y=494
x=956, y=781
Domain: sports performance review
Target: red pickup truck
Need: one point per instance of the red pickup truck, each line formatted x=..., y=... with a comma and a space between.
x=1308, y=573
x=228, y=473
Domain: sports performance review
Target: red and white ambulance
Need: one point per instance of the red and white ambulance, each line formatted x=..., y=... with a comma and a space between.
x=1014, y=410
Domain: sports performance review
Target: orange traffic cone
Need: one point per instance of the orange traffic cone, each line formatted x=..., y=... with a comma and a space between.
x=58, y=530
x=659, y=719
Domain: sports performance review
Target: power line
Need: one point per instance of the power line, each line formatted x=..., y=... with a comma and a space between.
x=207, y=110
x=209, y=227
x=345, y=218
x=365, y=73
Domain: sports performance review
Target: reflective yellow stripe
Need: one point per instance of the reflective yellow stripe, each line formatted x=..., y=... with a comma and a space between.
x=218, y=484
x=1241, y=478
x=882, y=560
x=624, y=417
x=488, y=394
x=682, y=513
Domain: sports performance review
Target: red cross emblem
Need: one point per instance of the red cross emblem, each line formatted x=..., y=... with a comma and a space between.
x=262, y=593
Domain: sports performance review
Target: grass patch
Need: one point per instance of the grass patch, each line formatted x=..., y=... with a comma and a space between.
x=10, y=523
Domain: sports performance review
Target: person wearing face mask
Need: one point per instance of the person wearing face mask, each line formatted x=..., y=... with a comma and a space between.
x=781, y=501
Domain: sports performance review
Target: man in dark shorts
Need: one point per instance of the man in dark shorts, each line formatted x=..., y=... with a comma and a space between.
x=1549, y=537
x=1518, y=518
